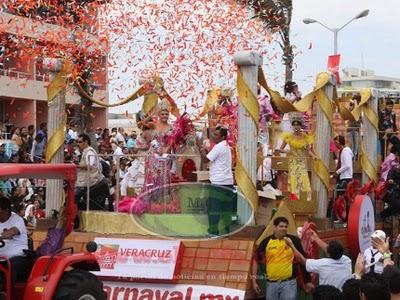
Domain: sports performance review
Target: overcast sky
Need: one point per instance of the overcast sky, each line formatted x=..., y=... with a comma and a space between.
x=370, y=43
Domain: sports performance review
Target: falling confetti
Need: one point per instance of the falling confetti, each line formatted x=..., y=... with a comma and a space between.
x=189, y=43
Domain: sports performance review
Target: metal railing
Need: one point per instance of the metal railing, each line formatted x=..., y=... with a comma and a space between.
x=23, y=75
x=116, y=159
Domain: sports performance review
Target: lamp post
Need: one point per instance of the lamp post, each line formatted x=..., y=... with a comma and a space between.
x=335, y=31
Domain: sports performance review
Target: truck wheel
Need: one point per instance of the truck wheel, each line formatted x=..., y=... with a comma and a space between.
x=80, y=285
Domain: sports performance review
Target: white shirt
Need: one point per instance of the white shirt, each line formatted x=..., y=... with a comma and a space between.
x=16, y=245
x=120, y=138
x=117, y=153
x=73, y=134
x=220, y=158
x=346, y=164
x=368, y=257
x=333, y=272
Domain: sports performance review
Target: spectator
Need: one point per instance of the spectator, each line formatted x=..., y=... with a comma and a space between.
x=351, y=289
x=90, y=163
x=391, y=161
x=13, y=229
x=38, y=148
x=31, y=132
x=41, y=196
x=345, y=164
x=9, y=126
x=2, y=130
x=14, y=158
x=387, y=127
x=120, y=136
x=23, y=155
x=43, y=131
x=333, y=270
x=72, y=132
x=25, y=138
x=98, y=133
x=372, y=256
x=30, y=214
x=38, y=212
x=16, y=138
x=118, y=153
x=105, y=141
x=327, y=292
x=3, y=156
x=392, y=278
x=132, y=140
x=280, y=263
x=392, y=195
x=69, y=150
x=374, y=287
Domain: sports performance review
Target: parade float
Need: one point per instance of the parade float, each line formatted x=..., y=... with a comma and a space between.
x=165, y=252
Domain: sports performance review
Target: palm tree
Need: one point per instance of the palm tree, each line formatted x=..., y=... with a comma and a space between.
x=276, y=16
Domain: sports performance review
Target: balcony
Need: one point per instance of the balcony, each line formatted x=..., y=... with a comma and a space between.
x=45, y=32
x=15, y=84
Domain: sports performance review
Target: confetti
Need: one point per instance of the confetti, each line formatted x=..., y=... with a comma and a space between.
x=188, y=43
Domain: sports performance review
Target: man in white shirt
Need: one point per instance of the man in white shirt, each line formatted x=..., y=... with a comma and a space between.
x=334, y=270
x=345, y=164
x=14, y=235
x=221, y=203
x=372, y=256
x=72, y=132
x=118, y=153
x=90, y=173
x=120, y=136
x=13, y=231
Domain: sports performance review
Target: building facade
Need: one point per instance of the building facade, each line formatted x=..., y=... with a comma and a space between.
x=23, y=81
x=356, y=79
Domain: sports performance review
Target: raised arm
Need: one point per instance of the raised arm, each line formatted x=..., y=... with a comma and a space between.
x=296, y=252
x=320, y=243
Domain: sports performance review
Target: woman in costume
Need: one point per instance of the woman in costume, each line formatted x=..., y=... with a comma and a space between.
x=158, y=163
x=300, y=149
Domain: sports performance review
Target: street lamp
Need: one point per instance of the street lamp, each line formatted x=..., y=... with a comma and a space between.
x=335, y=31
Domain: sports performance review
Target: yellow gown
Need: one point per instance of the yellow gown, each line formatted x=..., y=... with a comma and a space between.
x=298, y=179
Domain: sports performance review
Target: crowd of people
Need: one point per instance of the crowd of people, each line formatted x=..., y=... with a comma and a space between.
x=130, y=164
x=373, y=277
x=24, y=145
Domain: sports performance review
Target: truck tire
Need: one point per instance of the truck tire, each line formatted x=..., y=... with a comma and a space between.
x=80, y=285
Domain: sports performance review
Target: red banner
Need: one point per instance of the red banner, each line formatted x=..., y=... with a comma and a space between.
x=333, y=66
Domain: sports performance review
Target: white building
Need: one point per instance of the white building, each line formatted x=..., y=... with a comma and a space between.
x=355, y=79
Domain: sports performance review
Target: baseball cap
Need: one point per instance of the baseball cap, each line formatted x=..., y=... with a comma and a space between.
x=379, y=234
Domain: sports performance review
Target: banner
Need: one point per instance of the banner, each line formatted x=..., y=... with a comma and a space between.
x=139, y=259
x=333, y=66
x=137, y=291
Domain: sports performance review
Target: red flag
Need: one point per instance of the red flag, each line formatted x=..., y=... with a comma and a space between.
x=333, y=66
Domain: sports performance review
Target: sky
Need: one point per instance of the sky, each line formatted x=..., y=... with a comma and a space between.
x=368, y=43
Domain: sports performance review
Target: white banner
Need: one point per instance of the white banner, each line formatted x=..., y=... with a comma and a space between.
x=140, y=259
x=139, y=291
